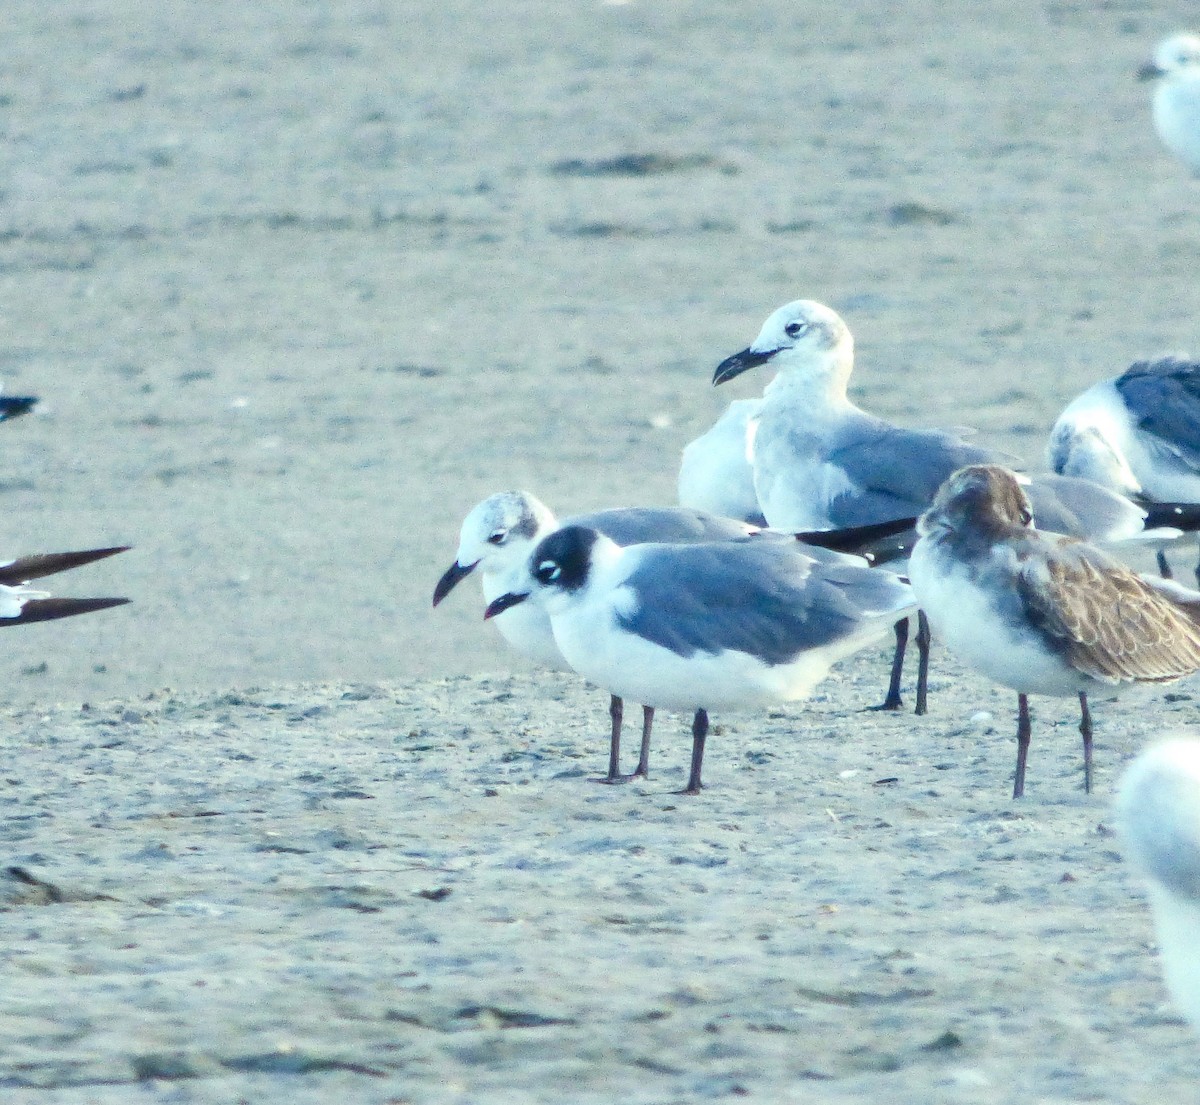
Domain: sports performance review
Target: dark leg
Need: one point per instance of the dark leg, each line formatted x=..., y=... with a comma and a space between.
x=1198, y=573
x=1085, y=727
x=616, y=710
x=1024, y=729
x=892, y=701
x=643, y=767
x=924, y=636
x=699, y=732
x=1164, y=569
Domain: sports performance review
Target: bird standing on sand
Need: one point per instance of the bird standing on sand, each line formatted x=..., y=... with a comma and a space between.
x=820, y=462
x=702, y=626
x=1176, y=69
x=1137, y=434
x=1039, y=612
x=496, y=539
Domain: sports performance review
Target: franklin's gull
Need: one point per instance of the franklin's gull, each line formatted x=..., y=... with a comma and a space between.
x=496, y=539
x=712, y=625
x=1176, y=68
x=1159, y=814
x=1040, y=612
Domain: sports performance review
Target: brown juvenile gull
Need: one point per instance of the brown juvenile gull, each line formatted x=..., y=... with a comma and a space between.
x=1043, y=613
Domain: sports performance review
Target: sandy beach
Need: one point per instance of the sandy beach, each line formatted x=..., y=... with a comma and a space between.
x=299, y=285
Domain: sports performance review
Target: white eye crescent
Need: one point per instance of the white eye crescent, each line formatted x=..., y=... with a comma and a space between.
x=498, y=538
x=795, y=329
x=548, y=571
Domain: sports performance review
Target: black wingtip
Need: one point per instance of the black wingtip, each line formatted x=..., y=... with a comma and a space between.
x=25, y=568
x=47, y=610
x=1184, y=516
x=13, y=406
x=858, y=539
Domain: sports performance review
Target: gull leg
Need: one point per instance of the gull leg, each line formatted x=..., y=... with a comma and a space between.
x=1085, y=728
x=892, y=701
x=1164, y=569
x=924, y=637
x=699, y=732
x=643, y=766
x=616, y=710
x=1024, y=729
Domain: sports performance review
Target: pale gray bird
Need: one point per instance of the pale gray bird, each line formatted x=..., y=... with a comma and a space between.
x=495, y=541
x=1176, y=70
x=704, y=626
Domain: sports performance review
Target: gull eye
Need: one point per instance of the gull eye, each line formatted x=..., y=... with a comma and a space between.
x=795, y=329
x=547, y=571
x=498, y=538
x=1026, y=516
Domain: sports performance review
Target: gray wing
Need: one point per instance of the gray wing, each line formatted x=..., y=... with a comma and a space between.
x=896, y=472
x=758, y=598
x=1082, y=508
x=1163, y=398
x=667, y=525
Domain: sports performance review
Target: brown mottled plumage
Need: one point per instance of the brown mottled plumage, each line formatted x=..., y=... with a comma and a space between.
x=1112, y=624
x=1040, y=612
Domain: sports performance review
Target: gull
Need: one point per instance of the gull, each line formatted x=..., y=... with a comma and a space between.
x=715, y=473
x=496, y=539
x=822, y=463
x=1158, y=810
x=1137, y=434
x=704, y=626
x=1176, y=68
x=1040, y=612
x=21, y=604
x=1067, y=505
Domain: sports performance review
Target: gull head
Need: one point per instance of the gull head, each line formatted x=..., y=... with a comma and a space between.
x=982, y=498
x=565, y=562
x=1174, y=57
x=496, y=535
x=803, y=337
x=1084, y=451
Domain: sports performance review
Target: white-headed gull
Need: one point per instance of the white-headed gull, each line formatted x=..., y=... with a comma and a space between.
x=820, y=462
x=1176, y=69
x=495, y=541
x=1039, y=612
x=704, y=626
x=1138, y=434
